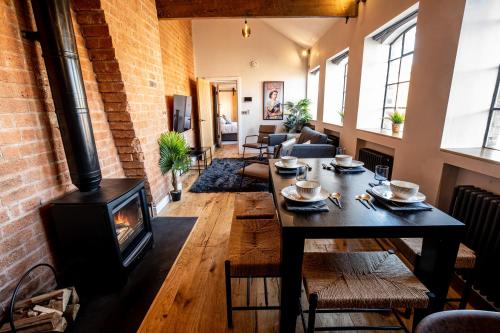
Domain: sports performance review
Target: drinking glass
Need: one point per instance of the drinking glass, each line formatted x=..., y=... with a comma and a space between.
x=301, y=175
x=381, y=173
x=340, y=151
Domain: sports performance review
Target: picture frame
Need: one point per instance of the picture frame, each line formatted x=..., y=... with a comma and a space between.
x=273, y=100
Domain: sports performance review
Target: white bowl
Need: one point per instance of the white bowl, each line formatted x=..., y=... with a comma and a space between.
x=308, y=189
x=343, y=160
x=289, y=161
x=403, y=190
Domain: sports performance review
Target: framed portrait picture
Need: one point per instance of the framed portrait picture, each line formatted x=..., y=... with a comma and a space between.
x=273, y=100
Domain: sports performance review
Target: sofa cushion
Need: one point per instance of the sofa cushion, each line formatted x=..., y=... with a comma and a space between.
x=311, y=135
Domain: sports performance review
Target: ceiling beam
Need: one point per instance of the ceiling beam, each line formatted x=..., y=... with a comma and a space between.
x=172, y=9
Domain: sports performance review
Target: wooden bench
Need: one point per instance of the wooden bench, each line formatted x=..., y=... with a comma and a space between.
x=254, y=249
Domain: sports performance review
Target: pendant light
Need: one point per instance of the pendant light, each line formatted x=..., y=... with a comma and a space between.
x=246, y=31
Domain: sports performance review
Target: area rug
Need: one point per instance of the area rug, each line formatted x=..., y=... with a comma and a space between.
x=124, y=310
x=222, y=176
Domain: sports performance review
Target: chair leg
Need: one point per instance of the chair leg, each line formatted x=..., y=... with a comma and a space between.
x=229, y=305
x=311, y=320
x=469, y=281
x=244, y=152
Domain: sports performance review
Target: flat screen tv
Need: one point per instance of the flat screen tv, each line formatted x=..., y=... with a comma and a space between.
x=182, y=109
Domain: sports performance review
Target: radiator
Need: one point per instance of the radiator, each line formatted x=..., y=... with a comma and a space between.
x=371, y=158
x=479, y=210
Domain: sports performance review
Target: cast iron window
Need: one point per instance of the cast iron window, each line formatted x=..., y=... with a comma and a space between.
x=344, y=87
x=492, y=135
x=398, y=74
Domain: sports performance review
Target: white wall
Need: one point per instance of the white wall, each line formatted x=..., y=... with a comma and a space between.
x=474, y=77
x=221, y=51
x=417, y=156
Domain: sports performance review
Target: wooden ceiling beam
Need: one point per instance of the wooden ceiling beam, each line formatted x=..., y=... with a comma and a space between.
x=174, y=9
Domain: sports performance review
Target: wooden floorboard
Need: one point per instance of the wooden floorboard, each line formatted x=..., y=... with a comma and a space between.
x=192, y=298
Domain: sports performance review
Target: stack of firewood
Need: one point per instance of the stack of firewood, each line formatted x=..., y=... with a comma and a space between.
x=50, y=312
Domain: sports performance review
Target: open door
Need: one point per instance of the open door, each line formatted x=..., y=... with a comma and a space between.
x=205, y=113
x=216, y=113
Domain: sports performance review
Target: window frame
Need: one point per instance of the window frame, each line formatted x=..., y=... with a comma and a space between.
x=399, y=58
x=344, y=87
x=493, y=109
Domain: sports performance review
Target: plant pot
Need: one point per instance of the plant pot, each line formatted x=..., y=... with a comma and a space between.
x=396, y=128
x=175, y=195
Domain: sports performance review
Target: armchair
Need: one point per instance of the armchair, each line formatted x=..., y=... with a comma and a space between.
x=262, y=139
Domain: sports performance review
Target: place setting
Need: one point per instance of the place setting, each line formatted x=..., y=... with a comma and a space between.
x=308, y=196
x=290, y=165
x=395, y=195
x=344, y=163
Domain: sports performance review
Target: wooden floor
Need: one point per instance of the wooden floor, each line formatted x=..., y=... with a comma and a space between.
x=192, y=298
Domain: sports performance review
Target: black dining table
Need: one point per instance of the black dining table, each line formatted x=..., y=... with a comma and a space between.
x=441, y=234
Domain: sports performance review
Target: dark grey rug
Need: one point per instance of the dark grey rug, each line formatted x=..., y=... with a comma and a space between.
x=124, y=310
x=222, y=176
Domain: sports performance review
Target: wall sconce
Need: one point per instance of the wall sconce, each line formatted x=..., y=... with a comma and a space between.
x=246, y=31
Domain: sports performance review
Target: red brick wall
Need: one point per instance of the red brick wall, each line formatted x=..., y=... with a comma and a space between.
x=136, y=40
x=33, y=168
x=178, y=61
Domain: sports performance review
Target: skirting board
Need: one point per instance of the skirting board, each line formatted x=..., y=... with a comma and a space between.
x=159, y=207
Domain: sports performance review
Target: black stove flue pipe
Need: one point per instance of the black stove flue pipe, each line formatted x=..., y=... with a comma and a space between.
x=60, y=54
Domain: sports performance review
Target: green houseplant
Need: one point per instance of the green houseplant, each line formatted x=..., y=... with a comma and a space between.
x=397, y=119
x=298, y=115
x=174, y=156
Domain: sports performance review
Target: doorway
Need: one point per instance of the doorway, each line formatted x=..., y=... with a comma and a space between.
x=225, y=98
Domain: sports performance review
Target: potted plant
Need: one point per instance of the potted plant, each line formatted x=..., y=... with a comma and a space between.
x=298, y=115
x=341, y=114
x=174, y=156
x=397, y=119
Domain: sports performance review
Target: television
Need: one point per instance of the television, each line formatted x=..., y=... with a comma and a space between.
x=182, y=110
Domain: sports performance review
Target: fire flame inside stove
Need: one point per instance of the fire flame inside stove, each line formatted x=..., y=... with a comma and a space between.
x=121, y=219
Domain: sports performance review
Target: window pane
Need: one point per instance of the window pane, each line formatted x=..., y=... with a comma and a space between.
x=497, y=104
x=493, y=139
x=409, y=40
x=386, y=123
x=406, y=68
x=390, y=98
x=396, y=48
x=393, y=71
x=402, y=95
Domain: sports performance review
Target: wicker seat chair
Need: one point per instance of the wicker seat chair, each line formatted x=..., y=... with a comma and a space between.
x=254, y=247
x=411, y=248
x=262, y=139
x=359, y=282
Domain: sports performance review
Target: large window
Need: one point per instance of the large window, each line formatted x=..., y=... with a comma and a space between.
x=312, y=91
x=492, y=136
x=335, y=88
x=398, y=74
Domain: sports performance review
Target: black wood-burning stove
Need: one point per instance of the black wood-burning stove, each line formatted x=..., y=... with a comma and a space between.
x=99, y=234
x=104, y=226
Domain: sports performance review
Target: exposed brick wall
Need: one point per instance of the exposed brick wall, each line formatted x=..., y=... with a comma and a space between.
x=178, y=62
x=33, y=168
x=99, y=43
x=135, y=36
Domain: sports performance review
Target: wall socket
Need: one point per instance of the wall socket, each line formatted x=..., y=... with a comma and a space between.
x=245, y=112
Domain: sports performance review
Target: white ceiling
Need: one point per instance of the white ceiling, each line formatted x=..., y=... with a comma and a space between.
x=303, y=31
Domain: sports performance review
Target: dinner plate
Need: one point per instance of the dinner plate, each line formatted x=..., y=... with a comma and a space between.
x=354, y=164
x=384, y=192
x=280, y=164
x=290, y=193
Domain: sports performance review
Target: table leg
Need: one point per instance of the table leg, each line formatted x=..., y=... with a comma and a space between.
x=435, y=269
x=198, y=162
x=211, y=158
x=205, y=159
x=292, y=254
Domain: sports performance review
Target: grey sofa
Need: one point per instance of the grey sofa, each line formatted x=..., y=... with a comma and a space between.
x=308, y=144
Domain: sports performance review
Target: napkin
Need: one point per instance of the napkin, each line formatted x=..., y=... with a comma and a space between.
x=315, y=207
x=401, y=207
x=288, y=172
x=339, y=169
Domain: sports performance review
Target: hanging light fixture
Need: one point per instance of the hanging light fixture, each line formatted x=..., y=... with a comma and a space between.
x=246, y=31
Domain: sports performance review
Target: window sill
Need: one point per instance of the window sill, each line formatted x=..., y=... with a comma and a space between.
x=383, y=132
x=479, y=153
x=333, y=124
